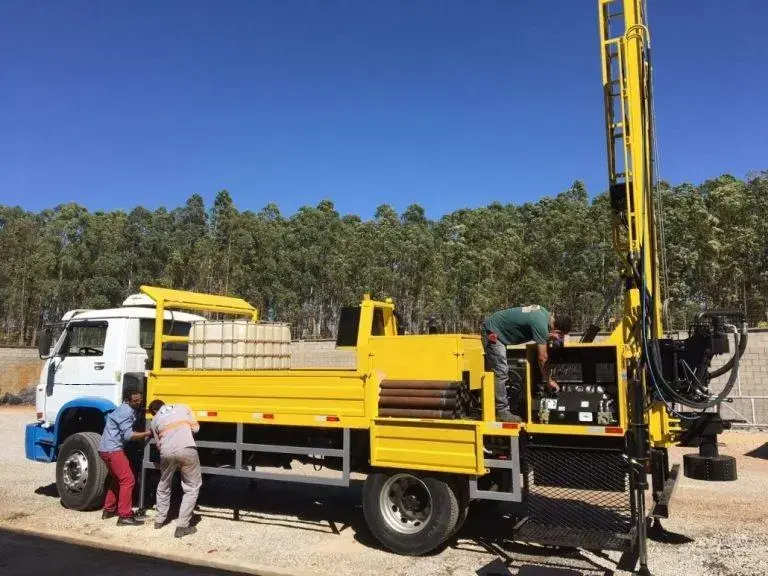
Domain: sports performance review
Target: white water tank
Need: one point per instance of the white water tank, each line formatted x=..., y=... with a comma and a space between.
x=239, y=345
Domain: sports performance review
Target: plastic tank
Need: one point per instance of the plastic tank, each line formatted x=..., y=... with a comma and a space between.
x=239, y=345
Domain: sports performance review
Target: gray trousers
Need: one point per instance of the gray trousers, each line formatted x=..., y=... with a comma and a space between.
x=187, y=462
x=496, y=361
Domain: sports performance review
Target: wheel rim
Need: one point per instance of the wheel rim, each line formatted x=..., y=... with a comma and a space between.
x=75, y=474
x=405, y=504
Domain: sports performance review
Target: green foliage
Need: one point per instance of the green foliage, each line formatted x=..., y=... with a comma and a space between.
x=556, y=252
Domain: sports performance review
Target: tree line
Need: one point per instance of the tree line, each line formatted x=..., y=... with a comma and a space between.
x=456, y=269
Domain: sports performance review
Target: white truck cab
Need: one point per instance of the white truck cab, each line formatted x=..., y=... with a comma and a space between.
x=97, y=353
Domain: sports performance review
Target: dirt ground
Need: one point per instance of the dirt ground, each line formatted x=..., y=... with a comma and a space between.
x=716, y=528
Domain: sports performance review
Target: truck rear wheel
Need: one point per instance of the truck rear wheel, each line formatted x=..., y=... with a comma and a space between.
x=80, y=472
x=409, y=513
x=462, y=492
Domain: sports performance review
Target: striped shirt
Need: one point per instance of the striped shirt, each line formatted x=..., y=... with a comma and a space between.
x=172, y=428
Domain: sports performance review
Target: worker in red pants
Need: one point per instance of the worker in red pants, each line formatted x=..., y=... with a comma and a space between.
x=118, y=431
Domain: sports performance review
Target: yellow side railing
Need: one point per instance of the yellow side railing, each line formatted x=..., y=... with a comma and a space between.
x=166, y=299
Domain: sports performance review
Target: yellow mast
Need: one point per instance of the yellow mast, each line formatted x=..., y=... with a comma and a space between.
x=625, y=41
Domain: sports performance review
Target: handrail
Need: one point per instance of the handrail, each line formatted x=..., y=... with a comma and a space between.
x=166, y=298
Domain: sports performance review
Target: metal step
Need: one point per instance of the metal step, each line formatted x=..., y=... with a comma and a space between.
x=532, y=533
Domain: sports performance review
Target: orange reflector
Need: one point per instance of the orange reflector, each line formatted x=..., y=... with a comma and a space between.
x=269, y=416
x=326, y=418
x=510, y=425
x=613, y=430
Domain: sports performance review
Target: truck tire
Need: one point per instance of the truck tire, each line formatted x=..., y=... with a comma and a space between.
x=410, y=513
x=462, y=494
x=80, y=472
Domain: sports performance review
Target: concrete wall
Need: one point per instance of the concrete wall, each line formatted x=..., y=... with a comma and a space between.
x=750, y=395
x=320, y=355
x=16, y=356
x=21, y=366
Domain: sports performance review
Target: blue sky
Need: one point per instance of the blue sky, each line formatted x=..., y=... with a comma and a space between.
x=447, y=103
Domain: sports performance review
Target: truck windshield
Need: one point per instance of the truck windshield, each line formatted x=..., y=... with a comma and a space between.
x=174, y=354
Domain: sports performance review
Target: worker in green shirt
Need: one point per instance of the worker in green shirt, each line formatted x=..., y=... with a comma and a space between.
x=517, y=326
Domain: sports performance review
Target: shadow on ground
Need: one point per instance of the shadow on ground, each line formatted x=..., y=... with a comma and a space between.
x=759, y=452
x=25, y=555
x=49, y=490
x=333, y=510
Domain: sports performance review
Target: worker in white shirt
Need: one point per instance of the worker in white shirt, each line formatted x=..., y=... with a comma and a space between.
x=172, y=427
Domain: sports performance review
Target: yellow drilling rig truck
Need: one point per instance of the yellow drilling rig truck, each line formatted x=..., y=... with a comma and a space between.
x=416, y=414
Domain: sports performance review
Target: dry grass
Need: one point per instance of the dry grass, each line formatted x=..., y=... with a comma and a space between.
x=15, y=379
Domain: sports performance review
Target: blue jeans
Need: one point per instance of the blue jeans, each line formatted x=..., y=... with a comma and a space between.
x=496, y=361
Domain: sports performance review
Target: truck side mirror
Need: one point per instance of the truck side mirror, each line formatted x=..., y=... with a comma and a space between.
x=44, y=344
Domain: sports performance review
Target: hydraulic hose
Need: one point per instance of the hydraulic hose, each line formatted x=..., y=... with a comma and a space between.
x=653, y=355
x=736, y=355
x=659, y=381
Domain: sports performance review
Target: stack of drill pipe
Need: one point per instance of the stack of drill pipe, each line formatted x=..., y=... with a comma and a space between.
x=423, y=399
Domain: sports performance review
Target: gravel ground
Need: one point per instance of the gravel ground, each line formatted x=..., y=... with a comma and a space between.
x=719, y=529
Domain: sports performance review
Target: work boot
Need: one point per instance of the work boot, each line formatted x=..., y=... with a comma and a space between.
x=507, y=416
x=129, y=521
x=107, y=514
x=184, y=531
x=159, y=525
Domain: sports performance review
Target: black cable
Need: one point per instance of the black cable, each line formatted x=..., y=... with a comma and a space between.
x=680, y=398
x=652, y=354
x=739, y=351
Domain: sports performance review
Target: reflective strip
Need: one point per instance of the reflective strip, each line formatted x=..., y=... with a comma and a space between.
x=505, y=425
x=262, y=416
x=176, y=425
x=327, y=418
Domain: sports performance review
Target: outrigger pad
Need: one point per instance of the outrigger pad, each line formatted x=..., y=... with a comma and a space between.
x=710, y=468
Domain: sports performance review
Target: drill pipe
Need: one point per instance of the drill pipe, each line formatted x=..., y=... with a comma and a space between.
x=422, y=384
x=418, y=392
x=409, y=413
x=412, y=402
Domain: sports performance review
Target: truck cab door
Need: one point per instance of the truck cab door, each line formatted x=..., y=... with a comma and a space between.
x=85, y=363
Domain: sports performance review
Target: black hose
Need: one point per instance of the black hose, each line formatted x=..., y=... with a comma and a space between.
x=739, y=352
x=679, y=398
x=653, y=354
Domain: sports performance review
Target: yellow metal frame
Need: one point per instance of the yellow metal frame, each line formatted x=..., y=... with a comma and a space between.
x=626, y=77
x=450, y=446
x=334, y=398
x=337, y=398
x=166, y=299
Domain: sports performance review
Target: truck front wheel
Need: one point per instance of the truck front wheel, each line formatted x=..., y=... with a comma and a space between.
x=80, y=472
x=409, y=513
